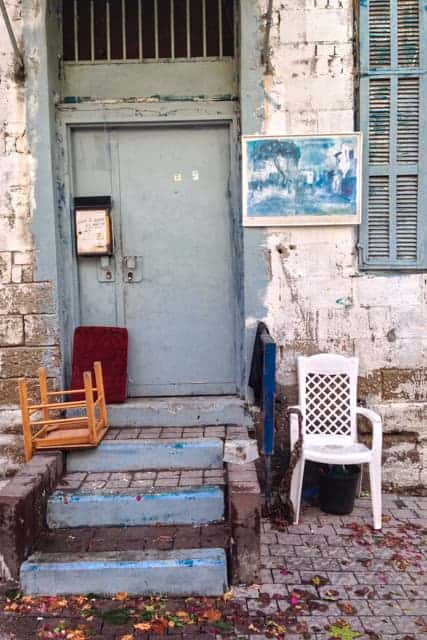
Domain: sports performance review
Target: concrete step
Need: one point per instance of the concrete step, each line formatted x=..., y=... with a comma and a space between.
x=179, y=573
x=178, y=412
x=131, y=507
x=145, y=538
x=139, y=455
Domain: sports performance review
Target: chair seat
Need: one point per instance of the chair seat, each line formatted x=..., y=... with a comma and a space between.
x=356, y=453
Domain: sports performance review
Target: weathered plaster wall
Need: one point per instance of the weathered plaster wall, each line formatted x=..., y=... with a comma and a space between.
x=305, y=282
x=28, y=331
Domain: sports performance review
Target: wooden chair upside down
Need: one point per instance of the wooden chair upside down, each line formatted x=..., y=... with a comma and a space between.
x=57, y=432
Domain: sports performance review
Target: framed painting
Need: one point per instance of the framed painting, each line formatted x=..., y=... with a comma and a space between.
x=301, y=180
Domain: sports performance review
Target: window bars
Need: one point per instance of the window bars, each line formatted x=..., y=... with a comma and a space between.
x=135, y=30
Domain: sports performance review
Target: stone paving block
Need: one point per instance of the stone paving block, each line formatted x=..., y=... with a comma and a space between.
x=265, y=575
x=167, y=482
x=291, y=577
x=258, y=605
x=324, y=564
x=145, y=475
x=385, y=608
x=407, y=624
x=97, y=476
x=362, y=607
x=273, y=589
x=289, y=538
x=95, y=484
x=118, y=484
x=378, y=624
x=332, y=593
x=272, y=562
x=129, y=434
x=240, y=593
x=149, y=433
x=344, y=578
x=353, y=621
x=307, y=551
x=167, y=474
x=413, y=591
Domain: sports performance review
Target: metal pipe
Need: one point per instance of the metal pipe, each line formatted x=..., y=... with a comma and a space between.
x=6, y=19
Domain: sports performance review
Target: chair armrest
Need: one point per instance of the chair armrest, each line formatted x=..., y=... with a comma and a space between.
x=377, y=427
x=293, y=424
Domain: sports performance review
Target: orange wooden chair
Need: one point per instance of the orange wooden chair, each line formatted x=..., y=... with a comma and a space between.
x=53, y=432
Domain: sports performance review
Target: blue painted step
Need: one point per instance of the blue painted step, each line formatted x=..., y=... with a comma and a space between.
x=179, y=573
x=192, y=505
x=145, y=455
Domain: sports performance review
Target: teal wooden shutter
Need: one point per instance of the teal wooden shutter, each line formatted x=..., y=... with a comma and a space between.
x=393, y=117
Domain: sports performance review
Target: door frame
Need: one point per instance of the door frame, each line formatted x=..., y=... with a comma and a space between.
x=89, y=115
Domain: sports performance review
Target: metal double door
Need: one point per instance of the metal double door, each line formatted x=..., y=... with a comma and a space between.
x=170, y=278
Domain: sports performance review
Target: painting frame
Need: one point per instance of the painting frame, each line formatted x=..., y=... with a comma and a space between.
x=328, y=200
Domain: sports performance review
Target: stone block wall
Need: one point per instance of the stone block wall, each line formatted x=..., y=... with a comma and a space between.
x=317, y=299
x=314, y=297
x=28, y=326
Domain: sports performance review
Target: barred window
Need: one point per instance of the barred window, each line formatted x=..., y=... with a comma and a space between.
x=132, y=30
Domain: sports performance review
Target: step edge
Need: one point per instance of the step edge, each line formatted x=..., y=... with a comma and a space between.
x=213, y=491
x=209, y=556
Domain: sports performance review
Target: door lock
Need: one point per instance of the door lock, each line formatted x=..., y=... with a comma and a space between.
x=132, y=268
x=105, y=269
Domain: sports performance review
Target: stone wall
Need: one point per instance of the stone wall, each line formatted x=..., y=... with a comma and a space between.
x=28, y=331
x=304, y=282
x=316, y=298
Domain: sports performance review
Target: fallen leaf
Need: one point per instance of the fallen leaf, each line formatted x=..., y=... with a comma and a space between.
x=228, y=595
x=331, y=594
x=212, y=615
x=183, y=615
x=120, y=596
x=347, y=608
x=142, y=626
x=342, y=631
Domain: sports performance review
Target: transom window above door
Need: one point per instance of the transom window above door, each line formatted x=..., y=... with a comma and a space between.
x=141, y=30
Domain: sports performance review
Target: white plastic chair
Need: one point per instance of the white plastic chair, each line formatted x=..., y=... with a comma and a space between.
x=328, y=404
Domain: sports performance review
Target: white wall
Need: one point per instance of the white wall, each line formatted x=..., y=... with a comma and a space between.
x=313, y=295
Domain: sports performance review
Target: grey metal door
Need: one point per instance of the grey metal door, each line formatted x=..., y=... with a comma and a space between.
x=170, y=281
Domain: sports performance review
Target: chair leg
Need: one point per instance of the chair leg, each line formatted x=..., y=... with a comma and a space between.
x=296, y=487
x=26, y=424
x=90, y=407
x=359, y=488
x=375, y=482
x=100, y=393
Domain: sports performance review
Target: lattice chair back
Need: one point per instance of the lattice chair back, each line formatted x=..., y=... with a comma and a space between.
x=328, y=396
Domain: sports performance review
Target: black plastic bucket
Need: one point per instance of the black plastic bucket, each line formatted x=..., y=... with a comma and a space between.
x=337, y=488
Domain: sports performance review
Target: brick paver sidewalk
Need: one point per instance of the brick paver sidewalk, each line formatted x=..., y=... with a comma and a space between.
x=330, y=577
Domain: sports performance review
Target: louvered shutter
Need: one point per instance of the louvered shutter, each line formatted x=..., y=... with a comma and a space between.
x=393, y=117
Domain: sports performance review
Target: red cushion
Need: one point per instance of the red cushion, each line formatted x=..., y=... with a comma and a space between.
x=109, y=345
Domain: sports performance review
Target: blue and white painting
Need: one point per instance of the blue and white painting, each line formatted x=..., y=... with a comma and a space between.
x=302, y=179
